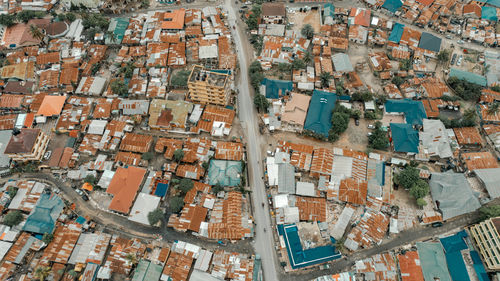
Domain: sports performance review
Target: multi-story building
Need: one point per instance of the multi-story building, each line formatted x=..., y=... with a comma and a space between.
x=487, y=237
x=208, y=87
x=273, y=13
x=27, y=145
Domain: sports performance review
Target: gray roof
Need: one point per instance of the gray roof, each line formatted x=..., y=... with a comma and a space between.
x=454, y=194
x=134, y=107
x=4, y=140
x=341, y=224
x=208, y=52
x=286, y=178
x=305, y=189
x=342, y=63
x=433, y=261
x=492, y=59
x=435, y=139
x=490, y=179
x=430, y=42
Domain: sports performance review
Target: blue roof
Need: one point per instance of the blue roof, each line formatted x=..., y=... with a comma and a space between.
x=397, y=32
x=328, y=10
x=489, y=13
x=44, y=216
x=414, y=111
x=319, y=115
x=275, y=87
x=468, y=76
x=481, y=273
x=80, y=220
x=392, y=5
x=404, y=138
x=452, y=246
x=161, y=189
x=495, y=3
x=298, y=256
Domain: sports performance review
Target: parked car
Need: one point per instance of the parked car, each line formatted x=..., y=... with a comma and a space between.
x=371, y=126
x=85, y=197
x=437, y=224
x=79, y=191
x=47, y=155
x=459, y=62
x=453, y=59
x=356, y=121
x=369, y=134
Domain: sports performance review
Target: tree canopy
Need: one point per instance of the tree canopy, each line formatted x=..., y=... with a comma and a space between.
x=155, y=216
x=378, y=138
x=95, y=20
x=464, y=89
x=13, y=218
x=180, y=78
x=178, y=155
x=340, y=122
x=175, y=204
x=325, y=79
x=253, y=19
x=260, y=102
x=185, y=185
x=298, y=64
x=489, y=211
x=119, y=88
x=307, y=31
x=147, y=156
x=443, y=56
x=256, y=74
x=7, y=20
x=407, y=177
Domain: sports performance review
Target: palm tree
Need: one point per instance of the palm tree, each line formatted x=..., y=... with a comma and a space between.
x=42, y=272
x=37, y=33
x=111, y=36
x=470, y=113
x=131, y=258
x=493, y=109
x=339, y=245
x=307, y=57
x=325, y=79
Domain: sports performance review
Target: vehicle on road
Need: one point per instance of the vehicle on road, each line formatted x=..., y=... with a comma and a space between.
x=460, y=42
x=369, y=134
x=85, y=197
x=356, y=121
x=262, y=204
x=79, y=191
x=437, y=224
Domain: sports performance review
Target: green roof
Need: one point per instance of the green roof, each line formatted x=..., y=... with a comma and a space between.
x=433, y=261
x=44, y=216
x=404, y=138
x=319, y=115
x=468, y=76
x=224, y=173
x=147, y=271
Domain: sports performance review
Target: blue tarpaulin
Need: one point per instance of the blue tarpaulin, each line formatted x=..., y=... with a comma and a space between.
x=161, y=189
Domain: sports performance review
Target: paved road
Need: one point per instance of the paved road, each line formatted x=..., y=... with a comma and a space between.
x=121, y=225
x=264, y=241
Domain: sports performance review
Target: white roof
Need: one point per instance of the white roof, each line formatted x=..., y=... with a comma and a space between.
x=208, y=52
x=369, y=105
x=4, y=248
x=280, y=200
x=291, y=214
x=97, y=127
x=203, y=260
x=106, y=178
x=305, y=189
x=144, y=204
x=434, y=139
x=272, y=171
x=196, y=113
x=342, y=222
x=85, y=248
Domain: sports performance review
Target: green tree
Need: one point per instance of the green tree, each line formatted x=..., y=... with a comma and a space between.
x=339, y=245
x=464, y=89
x=95, y=20
x=307, y=31
x=131, y=258
x=308, y=57
x=72, y=273
x=144, y=4
x=27, y=15
x=419, y=189
x=284, y=67
x=90, y=179
x=147, y=156
x=253, y=19
x=70, y=17
x=7, y=20
x=362, y=96
x=155, y=216
x=496, y=88
x=443, y=56
x=12, y=191
x=421, y=202
x=298, y=64
x=217, y=188
x=325, y=79
x=176, y=204
x=185, y=185
x=178, y=155
x=128, y=69
x=13, y=218
x=256, y=74
x=42, y=272
x=95, y=68
x=257, y=42
x=489, y=211
x=47, y=238
x=493, y=108
x=407, y=177
x=205, y=165
x=180, y=78
x=378, y=138
x=260, y=102
x=37, y=33
x=397, y=80
x=119, y=88
x=405, y=65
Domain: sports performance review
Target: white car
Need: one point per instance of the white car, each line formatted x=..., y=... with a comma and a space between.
x=371, y=126
x=79, y=191
x=47, y=155
x=459, y=62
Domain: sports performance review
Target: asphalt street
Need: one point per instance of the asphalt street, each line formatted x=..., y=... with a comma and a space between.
x=264, y=241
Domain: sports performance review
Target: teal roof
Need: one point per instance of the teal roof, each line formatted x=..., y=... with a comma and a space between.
x=392, y=5
x=276, y=88
x=432, y=261
x=414, y=111
x=397, y=32
x=489, y=13
x=468, y=76
x=224, y=173
x=328, y=10
x=118, y=26
x=319, y=115
x=147, y=271
x=404, y=138
x=44, y=216
x=495, y=3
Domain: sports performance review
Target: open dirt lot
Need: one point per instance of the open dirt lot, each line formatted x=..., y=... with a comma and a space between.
x=299, y=19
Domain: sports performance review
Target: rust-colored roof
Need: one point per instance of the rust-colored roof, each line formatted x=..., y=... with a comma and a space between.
x=124, y=186
x=198, y=187
x=8, y=121
x=66, y=157
x=370, y=230
x=435, y=89
x=322, y=162
x=232, y=266
x=479, y=160
x=226, y=218
x=273, y=9
x=491, y=129
x=468, y=135
x=229, y=151
x=495, y=117
x=59, y=250
x=22, y=142
x=472, y=9
x=120, y=248
x=194, y=172
x=171, y=146
x=136, y=142
x=489, y=96
x=409, y=265
x=6, y=270
x=51, y=106
x=311, y=209
x=190, y=218
x=353, y=191
x=178, y=267
x=69, y=75
x=173, y=19
x=48, y=58
x=381, y=266
x=17, y=247
x=49, y=79
x=196, y=149
x=11, y=101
